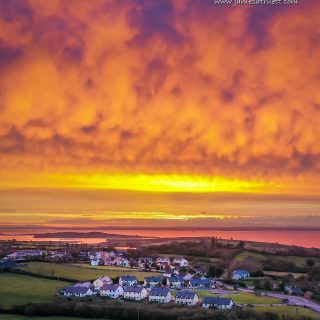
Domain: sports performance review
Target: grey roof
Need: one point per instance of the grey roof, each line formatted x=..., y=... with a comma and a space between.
x=185, y=294
x=241, y=272
x=217, y=301
x=83, y=284
x=176, y=279
x=159, y=292
x=128, y=278
x=153, y=279
x=111, y=287
x=133, y=289
x=199, y=282
x=76, y=290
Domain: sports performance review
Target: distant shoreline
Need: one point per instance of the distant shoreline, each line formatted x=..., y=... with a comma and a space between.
x=110, y=228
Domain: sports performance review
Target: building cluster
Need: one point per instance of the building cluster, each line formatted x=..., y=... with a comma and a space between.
x=156, y=289
x=112, y=258
x=36, y=254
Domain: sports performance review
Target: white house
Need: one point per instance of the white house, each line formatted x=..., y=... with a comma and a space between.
x=199, y=283
x=72, y=291
x=145, y=263
x=240, y=274
x=160, y=295
x=113, y=291
x=187, y=298
x=151, y=282
x=128, y=281
x=135, y=293
x=163, y=260
x=95, y=262
x=182, y=262
x=101, y=281
x=121, y=262
x=175, y=282
x=216, y=302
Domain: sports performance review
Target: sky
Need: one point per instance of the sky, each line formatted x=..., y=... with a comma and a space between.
x=127, y=106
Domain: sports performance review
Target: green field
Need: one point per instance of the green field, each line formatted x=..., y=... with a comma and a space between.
x=111, y=268
x=258, y=257
x=239, y=298
x=280, y=274
x=293, y=312
x=82, y=272
x=18, y=317
x=18, y=289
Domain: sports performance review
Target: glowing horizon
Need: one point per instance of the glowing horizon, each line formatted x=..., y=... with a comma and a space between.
x=170, y=96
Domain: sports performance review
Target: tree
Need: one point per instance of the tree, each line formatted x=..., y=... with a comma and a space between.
x=310, y=262
x=215, y=271
x=241, y=244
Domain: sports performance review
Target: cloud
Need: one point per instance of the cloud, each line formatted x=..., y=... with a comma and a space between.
x=179, y=87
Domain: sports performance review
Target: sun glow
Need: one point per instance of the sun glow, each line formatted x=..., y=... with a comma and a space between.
x=140, y=182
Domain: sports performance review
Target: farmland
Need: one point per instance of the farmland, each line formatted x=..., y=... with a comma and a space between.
x=82, y=272
x=239, y=298
x=259, y=257
x=19, y=289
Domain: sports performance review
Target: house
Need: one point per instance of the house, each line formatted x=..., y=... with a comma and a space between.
x=163, y=260
x=145, y=263
x=101, y=281
x=201, y=270
x=216, y=302
x=22, y=254
x=135, y=293
x=186, y=275
x=84, y=284
x=128, y=281
x=240, y=274
x=73, y=291
x=199, y=283
x=160, y=295
x=295, y=291
x=151, y=282
x=95, y=262
x=175, y=282
x=7, y=264
x=187, y=298
x=182, y=262
x=121, y=262
x=113, y=291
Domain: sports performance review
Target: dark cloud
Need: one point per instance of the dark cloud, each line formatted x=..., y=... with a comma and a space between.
x=12, y=142
x=9, y=53
x=154, y=18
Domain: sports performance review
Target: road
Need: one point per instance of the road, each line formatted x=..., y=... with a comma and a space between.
x=296, y=301
x=292, y=300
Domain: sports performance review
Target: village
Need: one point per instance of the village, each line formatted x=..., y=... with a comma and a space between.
x=158, y=280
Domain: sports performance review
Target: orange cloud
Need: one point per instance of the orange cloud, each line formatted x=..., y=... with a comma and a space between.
x=160, y=87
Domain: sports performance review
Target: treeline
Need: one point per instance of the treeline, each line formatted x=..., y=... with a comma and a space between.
x=131, y=311
x=41, y=276
x=211, y=248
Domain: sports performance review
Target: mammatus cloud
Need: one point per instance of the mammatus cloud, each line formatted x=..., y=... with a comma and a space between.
x=160, y=87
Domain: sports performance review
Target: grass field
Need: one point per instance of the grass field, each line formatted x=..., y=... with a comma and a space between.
x=18, y=317
x=18, y=289
x=279, y=273
x=258, y=257
x=293, y=312
x=240, y=298
x=83, y=272
x=112, y=268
